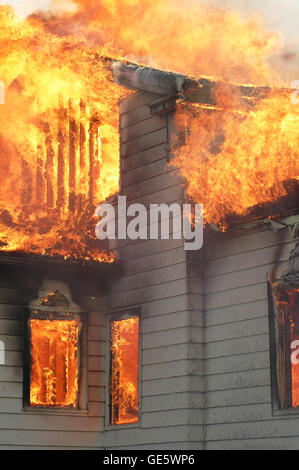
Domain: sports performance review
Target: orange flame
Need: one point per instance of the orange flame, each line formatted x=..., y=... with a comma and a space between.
x=54, y=363
x=61, y=102
x=59, y=140
x=233, y=160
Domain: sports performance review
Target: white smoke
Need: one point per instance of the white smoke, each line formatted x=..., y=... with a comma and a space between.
x=23, y=8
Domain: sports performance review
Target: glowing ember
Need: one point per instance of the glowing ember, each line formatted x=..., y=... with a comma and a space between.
x=124, y=371
x=54, y=363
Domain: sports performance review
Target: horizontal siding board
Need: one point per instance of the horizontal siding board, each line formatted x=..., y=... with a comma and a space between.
x=148, y=294
x=236, y=296
x=96, y=348
x=236, y=280
x=256, y=326
x=96, y=333
x=151, y=277
x=12, y=312
x=12, y=343
x=171, y=252
x=97, y=364
x=137, y=100
x=11, y=374
x=145, y=157
x=28, y=421
x=146, y=126
x=13, y=358
x=230, y=347
x=144, y=172
x=96, y=409
x=236, y=313
x=166, y=338
x=246, y=396
x=239, y=413
x=165, y=386
x=135, y=115
x=236, y=363
x=11, y=327
x=135, y=437
x=50, y=438
x=172, y=401
x=10, y=405
x=259, y=429
x=250, y=242
x=96, y=379
x=165, y=322
x=11, y=390
x=170, y=353
x=153, y=185
x=251, y=259
x=177, y=303
x=171, y=418
x=96, y=394
x=168, y=369
x=16, y=296
x=263, y=443
x=144, y=142
x=244, y=379
x=96, y=319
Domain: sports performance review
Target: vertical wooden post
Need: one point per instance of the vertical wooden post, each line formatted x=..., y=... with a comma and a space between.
x=62, y=155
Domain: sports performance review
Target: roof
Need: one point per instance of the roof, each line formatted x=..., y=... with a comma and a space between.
x=196, y=90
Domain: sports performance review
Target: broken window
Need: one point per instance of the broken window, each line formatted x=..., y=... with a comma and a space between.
x=124, y=347
x=286, y=309
x=55, y=345
x=284, y=334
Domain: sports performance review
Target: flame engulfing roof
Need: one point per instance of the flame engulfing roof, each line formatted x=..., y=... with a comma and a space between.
x=196, y=90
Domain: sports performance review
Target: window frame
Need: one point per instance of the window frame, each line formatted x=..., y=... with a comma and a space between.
x=82, y=401
x=117, y=316
x=277, y=388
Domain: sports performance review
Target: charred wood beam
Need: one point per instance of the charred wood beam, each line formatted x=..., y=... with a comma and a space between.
x=193, y=90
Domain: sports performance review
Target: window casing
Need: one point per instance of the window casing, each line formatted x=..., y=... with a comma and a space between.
x=285, y=332
x=55, y=359
x=124, y=388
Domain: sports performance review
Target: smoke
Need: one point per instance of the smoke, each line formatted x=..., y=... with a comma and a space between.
x=24, y=8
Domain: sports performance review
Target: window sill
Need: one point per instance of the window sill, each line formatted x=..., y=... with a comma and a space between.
x=117, y=427
x=52, y=411
x=287, y=412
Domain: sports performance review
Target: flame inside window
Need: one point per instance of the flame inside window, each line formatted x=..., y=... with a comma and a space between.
x=288, y=332
x=54, y=363
x=124, y=370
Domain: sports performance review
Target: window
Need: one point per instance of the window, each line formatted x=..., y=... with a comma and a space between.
x=124, y=370
x=55, y=356
x=286, y=324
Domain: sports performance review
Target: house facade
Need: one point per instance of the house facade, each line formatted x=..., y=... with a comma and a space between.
x=210, y=368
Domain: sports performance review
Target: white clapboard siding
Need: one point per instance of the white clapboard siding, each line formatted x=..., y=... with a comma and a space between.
x=238, y=400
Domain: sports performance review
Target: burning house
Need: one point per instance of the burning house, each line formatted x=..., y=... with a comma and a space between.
x=140, y=344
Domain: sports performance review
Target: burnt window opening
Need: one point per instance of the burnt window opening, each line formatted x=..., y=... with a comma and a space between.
x=285, y=306
x=284, y=336
x=124, y=370
x=55, y=358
